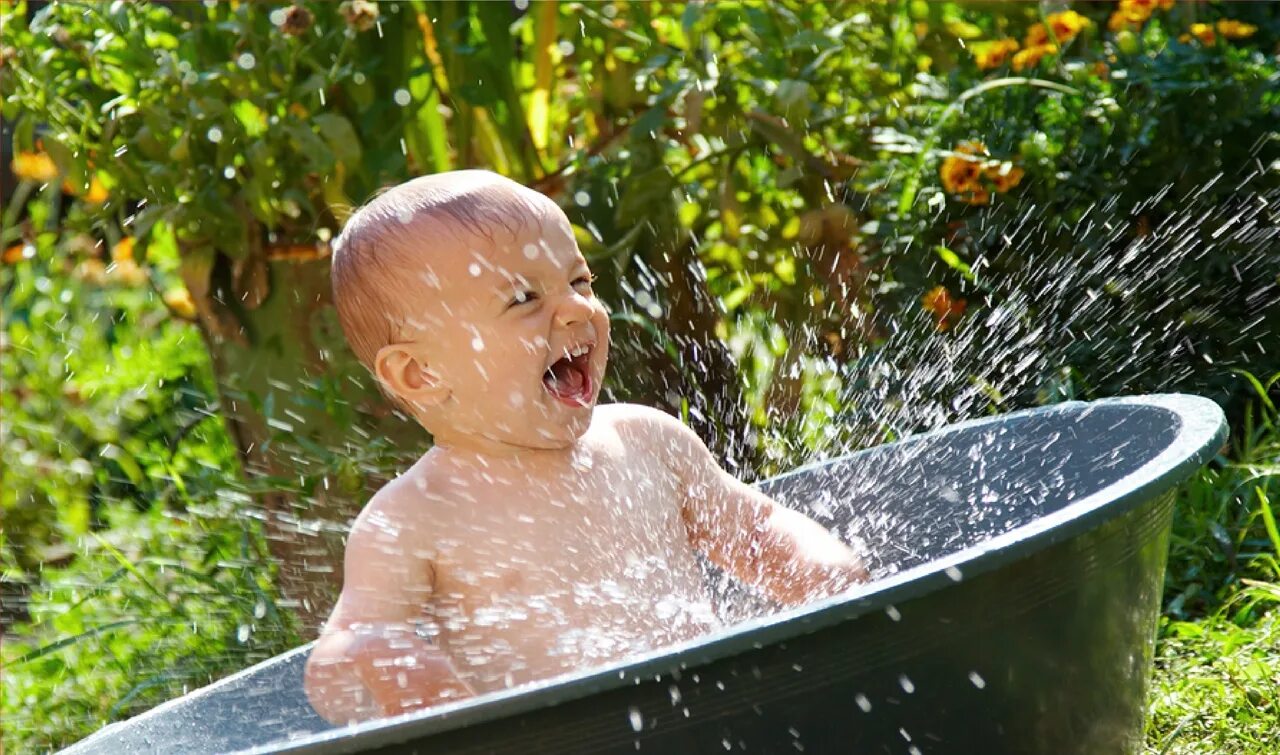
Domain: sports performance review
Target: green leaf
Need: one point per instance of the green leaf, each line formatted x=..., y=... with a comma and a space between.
x=251, y=117
x=953, y=261
x=340, y=136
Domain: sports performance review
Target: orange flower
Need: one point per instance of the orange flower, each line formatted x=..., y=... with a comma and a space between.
x=960, y=174
x=1030, y=57
x=123, y=250
x=946, y=310
x=993, y=54
x=34, y=166
x=1232, y=29
x=179, y=300
x=1066, y=25
x=1036, y=35
x=1005, y=176
x=1101, y=70
x=14, y=254
x=1202, y=32
x=95, y=194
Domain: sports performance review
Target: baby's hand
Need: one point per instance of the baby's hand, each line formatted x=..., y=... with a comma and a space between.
x=380, y=670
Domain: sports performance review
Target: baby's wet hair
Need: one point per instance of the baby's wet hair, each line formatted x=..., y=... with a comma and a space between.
x=377, y=258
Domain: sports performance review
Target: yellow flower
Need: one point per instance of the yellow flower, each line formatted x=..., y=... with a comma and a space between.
x=1130, y=14
x=1232, y=29
x=946, y=309
x=179, y=300
x=1030, y=57
x=34, y=166
x=1036, y=35
x=1005, y=176
x=97, y=193
x=993, y=54
x=1202, y=32
x=123, y=250
x=1066, y=25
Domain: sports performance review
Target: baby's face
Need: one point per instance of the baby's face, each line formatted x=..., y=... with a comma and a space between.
x=517, y=336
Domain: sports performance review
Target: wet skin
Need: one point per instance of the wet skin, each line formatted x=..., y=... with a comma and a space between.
x=540, y=535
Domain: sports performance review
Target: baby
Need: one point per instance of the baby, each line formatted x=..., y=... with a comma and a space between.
x=540, y=534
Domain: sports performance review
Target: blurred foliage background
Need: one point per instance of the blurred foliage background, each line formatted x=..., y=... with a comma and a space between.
x=818, y=226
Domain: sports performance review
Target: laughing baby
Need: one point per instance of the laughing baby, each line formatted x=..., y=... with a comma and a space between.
x=541, y=533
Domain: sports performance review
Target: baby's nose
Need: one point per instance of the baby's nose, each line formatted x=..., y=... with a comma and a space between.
x=573, y=310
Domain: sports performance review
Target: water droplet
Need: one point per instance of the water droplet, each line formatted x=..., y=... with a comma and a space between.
x=637, y=721
x=228, y=172
x=892, y=613
x=954, y=574
x=246, y=61
x=214, y=134
x=977, y=680
x=862, y=702
x=477, y=343
x=566, y=47
x=531, y=251
x=358, y=78
x=474, y=269
x=401, y=97
x=582, y=199
x=242, y=634
x=907, y=685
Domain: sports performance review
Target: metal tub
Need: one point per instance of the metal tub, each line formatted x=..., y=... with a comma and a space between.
x=1024, y=557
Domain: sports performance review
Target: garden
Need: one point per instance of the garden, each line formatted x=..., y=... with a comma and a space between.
x=817, y=226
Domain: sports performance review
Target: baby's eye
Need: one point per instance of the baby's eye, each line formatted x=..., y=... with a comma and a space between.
x=583, y=283
x=522, y=297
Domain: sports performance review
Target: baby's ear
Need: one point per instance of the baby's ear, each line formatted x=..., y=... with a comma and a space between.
x=403, y=370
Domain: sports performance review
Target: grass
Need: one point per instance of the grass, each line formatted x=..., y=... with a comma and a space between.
x=1216, y=687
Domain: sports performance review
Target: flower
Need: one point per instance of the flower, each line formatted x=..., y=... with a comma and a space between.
x=1232, y=29
x=360, y=15
x=1005, y=176
x=1202, y=32
x=179, y=300
x=15, y=253
x=95, y=194
x=123, y=250
x=1066, y=25
x=1030, y=57
x=993, y=54
x=960, y=174
x=34, y=166
x=946, y=310
x=1036, y=35
x=295, y=21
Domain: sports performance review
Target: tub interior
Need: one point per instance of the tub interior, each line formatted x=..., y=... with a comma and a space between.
x=930, y=497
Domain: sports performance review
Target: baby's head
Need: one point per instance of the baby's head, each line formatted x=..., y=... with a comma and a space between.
x=466, y=295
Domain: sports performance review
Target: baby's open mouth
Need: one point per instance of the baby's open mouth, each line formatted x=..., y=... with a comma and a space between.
x=569, y=378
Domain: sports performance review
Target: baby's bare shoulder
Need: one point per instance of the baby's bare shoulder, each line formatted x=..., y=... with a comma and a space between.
x=408, y=506
x=636, y=419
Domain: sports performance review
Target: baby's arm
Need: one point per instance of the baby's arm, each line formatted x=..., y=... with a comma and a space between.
x=786, y=555
x=369, y=661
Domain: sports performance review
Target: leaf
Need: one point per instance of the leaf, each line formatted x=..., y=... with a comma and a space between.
x=340, y=136
x=251, y=117
x=953, y=261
